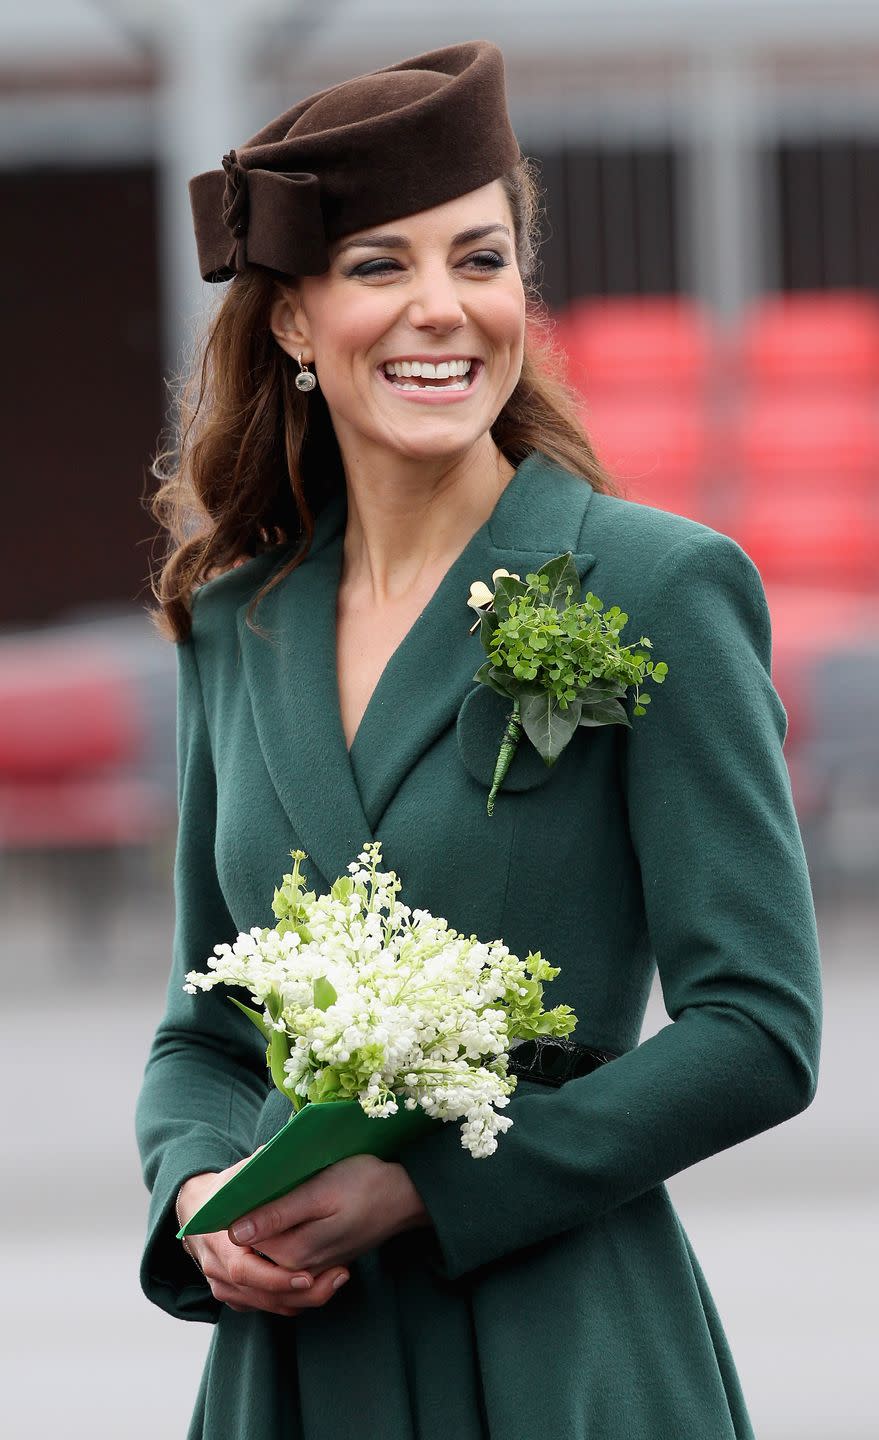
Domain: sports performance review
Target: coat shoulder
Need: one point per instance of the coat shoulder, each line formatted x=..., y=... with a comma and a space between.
x=615, y=524
x=636, y=542
x=216, y=603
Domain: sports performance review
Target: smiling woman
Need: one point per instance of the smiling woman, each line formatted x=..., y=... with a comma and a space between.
x=372, y=429
x=253, y=461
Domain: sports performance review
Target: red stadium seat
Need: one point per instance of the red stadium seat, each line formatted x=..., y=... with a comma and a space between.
x=798, y=442
x=642, y=343
x=830, y=539
x=812, y=338
x=657, y=447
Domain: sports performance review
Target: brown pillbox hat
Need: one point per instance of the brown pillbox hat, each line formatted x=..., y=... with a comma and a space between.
x=372, y=149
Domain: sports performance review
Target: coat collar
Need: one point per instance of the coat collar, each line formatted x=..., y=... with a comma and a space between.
x=335, y=800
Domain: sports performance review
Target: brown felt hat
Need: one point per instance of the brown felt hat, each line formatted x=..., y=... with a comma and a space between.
x=384, y=145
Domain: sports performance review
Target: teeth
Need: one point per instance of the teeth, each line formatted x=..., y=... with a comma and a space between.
x=455, y=385
x=426, y=370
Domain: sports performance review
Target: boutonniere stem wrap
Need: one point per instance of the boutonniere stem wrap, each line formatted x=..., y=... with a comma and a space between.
x=557, y=658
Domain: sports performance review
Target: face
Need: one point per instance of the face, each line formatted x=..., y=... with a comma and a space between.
x=440, y=288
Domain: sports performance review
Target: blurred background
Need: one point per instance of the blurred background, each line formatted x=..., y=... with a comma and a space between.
x=711, y=178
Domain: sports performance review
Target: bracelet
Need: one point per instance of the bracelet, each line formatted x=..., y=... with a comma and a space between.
x=191, y=1253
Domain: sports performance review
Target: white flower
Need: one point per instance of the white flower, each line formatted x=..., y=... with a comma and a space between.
x=418, y=1013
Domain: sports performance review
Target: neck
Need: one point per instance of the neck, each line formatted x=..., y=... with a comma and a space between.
x=408, y=520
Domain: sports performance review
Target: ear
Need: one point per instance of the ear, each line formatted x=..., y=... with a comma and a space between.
x=289, y=324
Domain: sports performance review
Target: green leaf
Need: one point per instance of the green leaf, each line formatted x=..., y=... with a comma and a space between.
x=547, y=725
x=501, y=681
x=253, y=1015
x=561, y=572
x=488, y=623
x=506, y=589
x=601, y=689
x=605, y=712
x=324, y=994
x=278, y=1052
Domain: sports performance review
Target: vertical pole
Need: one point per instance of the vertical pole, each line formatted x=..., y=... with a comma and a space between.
x=202, y=111
x=723, y=203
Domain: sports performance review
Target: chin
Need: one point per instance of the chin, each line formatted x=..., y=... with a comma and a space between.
x=437, y=447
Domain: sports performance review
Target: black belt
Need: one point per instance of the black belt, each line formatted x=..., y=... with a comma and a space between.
x=551, y=1060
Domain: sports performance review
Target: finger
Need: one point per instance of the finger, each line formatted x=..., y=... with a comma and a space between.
x=248, y=1271
x=324, y=1288
x=290, y=1304
x=309, y=1201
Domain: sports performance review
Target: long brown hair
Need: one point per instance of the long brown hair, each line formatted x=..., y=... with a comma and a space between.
x=254, y=459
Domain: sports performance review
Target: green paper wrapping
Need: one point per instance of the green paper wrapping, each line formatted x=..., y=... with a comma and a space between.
x=314, y=1137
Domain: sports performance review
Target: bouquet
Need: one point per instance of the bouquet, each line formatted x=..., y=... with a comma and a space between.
x=557, y=658
x=373, y=1011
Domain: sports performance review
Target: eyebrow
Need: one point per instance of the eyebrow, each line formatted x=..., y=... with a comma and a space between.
x=399, y=242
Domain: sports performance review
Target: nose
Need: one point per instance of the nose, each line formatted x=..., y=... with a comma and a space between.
x=436, y=305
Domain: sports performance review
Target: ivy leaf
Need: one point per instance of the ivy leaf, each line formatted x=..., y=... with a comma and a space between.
x=497, y=680
x=547, y=725
x=488, y=624
x=560, y=572
x=605, y=712
x=506, y=589
x=601, y=689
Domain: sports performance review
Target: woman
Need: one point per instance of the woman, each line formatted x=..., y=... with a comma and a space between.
x=327, y=697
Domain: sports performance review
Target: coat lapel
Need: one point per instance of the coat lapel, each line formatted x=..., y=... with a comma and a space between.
x=291, y=678
x=336, y=800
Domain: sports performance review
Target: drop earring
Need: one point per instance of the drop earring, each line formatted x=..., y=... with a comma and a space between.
x=305, y=380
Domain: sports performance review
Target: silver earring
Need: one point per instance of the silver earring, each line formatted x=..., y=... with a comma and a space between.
x=304, y=380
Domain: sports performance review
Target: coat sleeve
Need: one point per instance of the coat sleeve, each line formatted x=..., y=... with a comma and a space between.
x=731, y=922
x=204, y=1081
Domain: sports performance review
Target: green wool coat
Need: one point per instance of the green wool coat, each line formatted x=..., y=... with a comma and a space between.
x=556, y=1293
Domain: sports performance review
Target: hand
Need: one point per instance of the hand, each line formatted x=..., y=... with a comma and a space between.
x=338, y=1214
x=237, y=1275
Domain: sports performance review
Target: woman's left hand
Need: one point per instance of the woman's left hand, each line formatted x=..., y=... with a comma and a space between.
x=338, y=1214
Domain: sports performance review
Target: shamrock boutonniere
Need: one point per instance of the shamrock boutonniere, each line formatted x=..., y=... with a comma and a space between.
x=557, y=658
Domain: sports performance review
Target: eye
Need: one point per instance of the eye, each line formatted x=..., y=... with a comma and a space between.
x=368, y=267
x=486, y=260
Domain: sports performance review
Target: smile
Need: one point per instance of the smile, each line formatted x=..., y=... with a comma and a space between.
x=432, y=384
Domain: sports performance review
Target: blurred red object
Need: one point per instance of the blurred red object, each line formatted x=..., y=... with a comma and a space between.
x=61, y=712
x=658, y=447
x=69, y=732
x=830, y=539
x=644, y=343
x=799, y=442
x=825, y=337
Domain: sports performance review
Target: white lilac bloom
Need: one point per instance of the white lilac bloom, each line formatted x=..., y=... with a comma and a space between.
x=361, y=997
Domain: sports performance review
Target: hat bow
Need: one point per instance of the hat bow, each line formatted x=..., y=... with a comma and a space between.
x=251, y=216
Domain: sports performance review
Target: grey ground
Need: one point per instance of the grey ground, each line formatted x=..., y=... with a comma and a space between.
x=784, y=1225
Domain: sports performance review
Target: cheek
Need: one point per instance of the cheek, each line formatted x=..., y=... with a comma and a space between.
x=350, y=324
x=504, y=319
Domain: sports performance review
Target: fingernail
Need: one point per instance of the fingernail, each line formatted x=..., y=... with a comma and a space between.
x=244, y=1230
x=340, y=1280
x=300, y=1282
